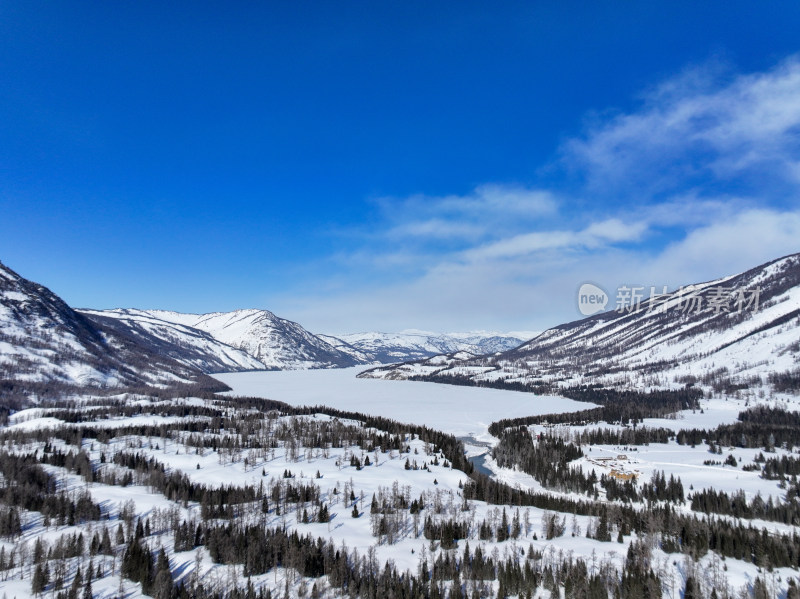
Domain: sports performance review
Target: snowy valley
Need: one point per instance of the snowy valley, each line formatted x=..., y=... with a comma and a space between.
x=636, y=454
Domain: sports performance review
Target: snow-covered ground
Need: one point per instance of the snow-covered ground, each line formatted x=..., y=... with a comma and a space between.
x=333, y=472
x=462, y=411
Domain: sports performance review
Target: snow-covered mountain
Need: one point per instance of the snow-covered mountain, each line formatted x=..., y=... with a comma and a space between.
x=273, y=342
x=737, y=330
x=361, y=357
x=44, y=343
x=405, y=346
x=258, y=339
x=187, y=345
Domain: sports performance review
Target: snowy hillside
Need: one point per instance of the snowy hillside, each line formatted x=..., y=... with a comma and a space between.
x=276, y=343
x=409, y=345
x=731, y=331
x=361, y=357
x=187, y=345
x=137, y=496
x=162, y=493
x=44, y=341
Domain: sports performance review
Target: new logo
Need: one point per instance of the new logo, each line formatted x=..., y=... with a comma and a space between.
x=591, y=299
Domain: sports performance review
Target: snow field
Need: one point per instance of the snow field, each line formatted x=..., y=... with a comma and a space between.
x=343, y=530
x=462, y=411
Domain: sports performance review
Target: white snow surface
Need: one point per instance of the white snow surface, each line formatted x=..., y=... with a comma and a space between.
x=387, y=470
x=463, y=411
x=258, y=339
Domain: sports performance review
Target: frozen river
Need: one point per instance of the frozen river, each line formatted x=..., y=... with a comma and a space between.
x=463, y=411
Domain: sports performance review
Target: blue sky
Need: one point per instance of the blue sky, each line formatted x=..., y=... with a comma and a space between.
x=362, y=166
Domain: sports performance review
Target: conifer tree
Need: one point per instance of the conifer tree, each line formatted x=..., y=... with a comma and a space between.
x=41, y=577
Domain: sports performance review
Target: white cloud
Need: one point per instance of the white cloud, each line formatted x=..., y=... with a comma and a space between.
x=470, y=217
x=689, y=210
x=689, y=127
x=505, y=256
x=594, y=236
x=438, y=228
x=727, y=246
x=537, y=290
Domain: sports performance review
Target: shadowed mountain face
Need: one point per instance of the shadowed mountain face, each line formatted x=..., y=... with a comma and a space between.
x=734, y=328
x=45, y=342
x=191, y=347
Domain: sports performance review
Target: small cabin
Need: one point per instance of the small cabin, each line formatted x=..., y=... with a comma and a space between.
x=626, y=476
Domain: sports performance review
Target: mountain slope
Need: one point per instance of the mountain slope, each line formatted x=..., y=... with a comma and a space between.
x=410, y=345
x=670, y=340
x=187, y=345
x=360, y=356
x=275, y=343
x=45, y=342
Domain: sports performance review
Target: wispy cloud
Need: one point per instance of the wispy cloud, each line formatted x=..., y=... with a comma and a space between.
x=594, y=236
x=698, y=127
x=700, y=181
x=471, y=216
x=437, y=228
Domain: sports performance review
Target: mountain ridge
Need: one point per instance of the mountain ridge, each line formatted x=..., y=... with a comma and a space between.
x=415, y=344
x=659, y=345
x=278, y=343
x=46, y=345
x=273, y=342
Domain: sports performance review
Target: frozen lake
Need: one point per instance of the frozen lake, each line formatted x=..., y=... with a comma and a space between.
x=463, y=411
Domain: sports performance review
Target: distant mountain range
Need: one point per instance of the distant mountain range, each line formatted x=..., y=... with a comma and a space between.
x=408, y=345
x=43, y=341
x=728, y=334
x=259, y=340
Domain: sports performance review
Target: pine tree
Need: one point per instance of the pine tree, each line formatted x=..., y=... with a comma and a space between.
x=162, y=581
x=38, y=551
x=603, y=533
x=77, y=583
x=502, y=530
x=41, y=577
x=515, y=526
x=137, y=564
x=760, y=590
x=105, y=543
x=690, y=592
